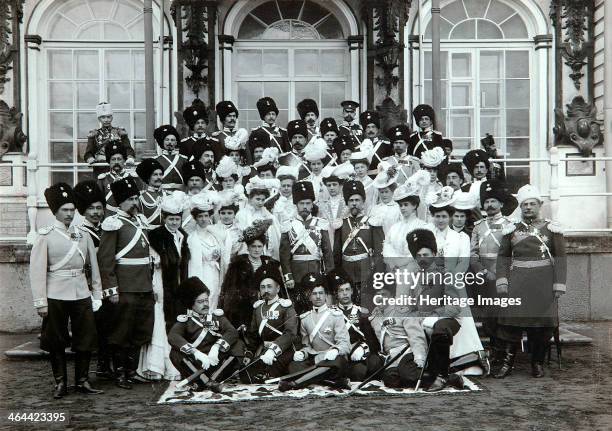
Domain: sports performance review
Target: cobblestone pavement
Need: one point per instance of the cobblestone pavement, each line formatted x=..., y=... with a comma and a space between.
x=577, y=398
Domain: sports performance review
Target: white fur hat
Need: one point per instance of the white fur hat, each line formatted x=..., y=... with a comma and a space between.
x=104, y=108
x=528, y=192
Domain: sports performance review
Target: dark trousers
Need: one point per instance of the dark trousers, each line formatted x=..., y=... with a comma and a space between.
x=336, y=369
x=179, y=358
x=404, y=375
x=105, y=317
x=135, y=317
x=54, y=335
x=438, y=362
x=259, y=371
x=359, y=371
x=538, y=338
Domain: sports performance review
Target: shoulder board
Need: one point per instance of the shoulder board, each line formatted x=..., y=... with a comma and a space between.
x=188, y=138
x=218, y=312
x=336, y=312
x=303, y=315
x=121, y=131
x=258, y=303
x=283, y=129
x=92, y=133
x=477, y=222
x=111, y=223
x=182, y=156
x=285, y=302
x=509, y=229
x=217, y=133
x=554, y=226
x=181, y=318
x=102, y=175
x=45, y=230
x=364, y=310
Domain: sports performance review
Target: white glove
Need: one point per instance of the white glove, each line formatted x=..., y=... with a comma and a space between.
x=213, y=355
x=203, y=358
x=96, y=304
x=268, y=357
x=331, y=354
x=299, y=356
x=429, y=322
x=420, y=362
x=357, y=354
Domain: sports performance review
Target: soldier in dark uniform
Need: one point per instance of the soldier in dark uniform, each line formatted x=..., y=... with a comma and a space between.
x=358, y=245
x=273, y=332
x=329, y=132
x=115, y=157
x=97, y=139
x=370, y=121
x=298, y=137
x=531, y=265
x=194, y=176
x=406, y=164
x=205, y=152
x=497, y=170
x=170, y=158
x=343, y=147
x=203, y=338
x=305, y=246
x=125, y=269
x=426, y=138
x=60, y=290
x=276, y=136
x=477, y=164
x=364, y=358
x=451, y=174
x=90, y=204
x=150, y=172
x=447, y=146
x=229, y=136
x=350, y=126
x=309, y=113
x=196, y=117
x=325, y=341
x=485, y=242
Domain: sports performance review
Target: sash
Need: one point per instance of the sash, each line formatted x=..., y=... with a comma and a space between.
x=303, y=237
x=73, y=249
x=172, y=165
x=350, y=325
x=139, y=233
x=264, y=322
x=272, y=137
x=486, y=234
x=155, y=204
x=108, y=196
x=315, y=330
x=91, y=232
x=353, y=234
x=539, y=237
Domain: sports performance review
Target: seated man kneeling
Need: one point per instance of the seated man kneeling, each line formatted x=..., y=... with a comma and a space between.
x=203, y=338
x=325, y=340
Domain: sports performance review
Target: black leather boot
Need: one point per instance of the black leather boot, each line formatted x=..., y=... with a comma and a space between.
x=132, y=365
x=60, y=373
x=122, y=380
x=507, y=362
x=539, y=349
x=81, y=374
x=438, y=384
x=103, y=368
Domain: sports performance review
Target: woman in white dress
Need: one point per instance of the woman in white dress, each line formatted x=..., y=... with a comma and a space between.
x=204, y=247
x=386, y=212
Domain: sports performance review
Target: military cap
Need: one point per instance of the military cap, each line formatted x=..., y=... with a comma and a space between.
x=306, y=106
x=123, y=189
x=311, y=280
x=162, y=131
x=86, y=193
x=146, y=168
x=351, y=188
x=303, y=190
x=349, y=104
x=58, y=195
x=197, y=111
x=190, y=289
x=473, y=157
x=193, y=168
x=424, y=111
x=328, y=125
x=399, y=133
x=268, y=271
x=224, y=108
x=421, y=238
x=202, y=145
x=297, y=127
x=342, y=143
x=113, y=147
x=266, y=105
x=369, y=117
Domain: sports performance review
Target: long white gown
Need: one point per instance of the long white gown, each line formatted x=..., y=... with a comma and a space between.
x=205, y=261
x=154, y=362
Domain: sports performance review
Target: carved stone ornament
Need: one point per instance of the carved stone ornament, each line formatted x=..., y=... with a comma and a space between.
x=12, y=137
x=575, y=49
x=11, y=13
x=579, y=126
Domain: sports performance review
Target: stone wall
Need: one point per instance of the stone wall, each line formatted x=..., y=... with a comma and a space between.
x=588, y=297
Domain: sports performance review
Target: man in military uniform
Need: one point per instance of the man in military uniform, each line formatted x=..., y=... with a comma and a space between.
x=194, y=176
x=364, y=358
x=304, y=246
x=451, y=174
x=343, y=148
x=203, y=338
x=497, y=169
x=532, y=267
x=97, y=139
x=407, y=164
x=196, y=117
x=115, y=157
x=350, y=126
x=358, y=245
x=60, y=290
x=150, y=172
x=329, y=132
x=206, y=153
x=90, y=203
x=478, y=165
x=426, y=138
x=125, y=269
x=485, y=243
x=297, y=132
x=325, y=341
x=370, y=121
x=273, y=332
x=398, y=332
x=170, y=158
x=276, y=136
x=309, y=113
x=229, y=136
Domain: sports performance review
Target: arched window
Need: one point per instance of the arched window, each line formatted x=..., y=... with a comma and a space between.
x=272, y=59
x=486, y=69
x=93, y=52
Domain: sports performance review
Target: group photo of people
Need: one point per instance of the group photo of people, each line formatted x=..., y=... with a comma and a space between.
x=248, y=256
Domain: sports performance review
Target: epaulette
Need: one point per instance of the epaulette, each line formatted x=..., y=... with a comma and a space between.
x=111, y=223
x=92, y=133
x=212, y=138
x=477, y=222
x=102, y=175
x=509, y=229
x=336, y=312
x=305, y=314
x=121, y=131
x=258, y=303
x=285, y=302
x=45, y=230
x=183, y=156
x=218, y=312
x=217, y=133
x=282, y=128
x=364, y=310
x=437, y=133
x=181, y=318
x=554, y=226
x=188, y=138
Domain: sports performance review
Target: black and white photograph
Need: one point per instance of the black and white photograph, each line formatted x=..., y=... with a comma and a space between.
x=306, y=215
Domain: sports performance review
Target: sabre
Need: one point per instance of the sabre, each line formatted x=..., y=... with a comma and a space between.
x=288, y=376
x=241, y=369
x=418, y=384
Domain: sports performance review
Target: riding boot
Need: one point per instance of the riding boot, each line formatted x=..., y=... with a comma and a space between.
x=132, y=364
x=60, y=373
x=103, y=368
x=81, y=374
x=507, y=362
x=122, y=360
x=539, y=349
